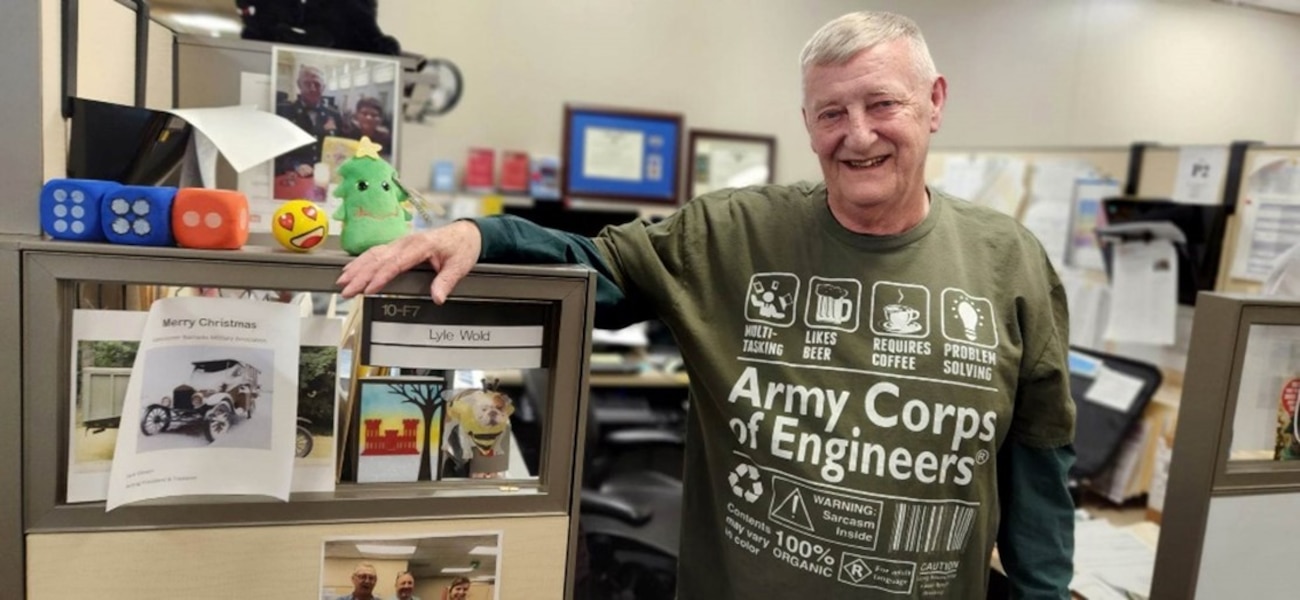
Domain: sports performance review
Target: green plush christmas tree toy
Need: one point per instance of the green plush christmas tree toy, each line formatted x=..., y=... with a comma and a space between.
x=372, y=211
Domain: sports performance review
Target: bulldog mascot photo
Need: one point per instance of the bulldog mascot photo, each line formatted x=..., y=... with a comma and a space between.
x=476, y=434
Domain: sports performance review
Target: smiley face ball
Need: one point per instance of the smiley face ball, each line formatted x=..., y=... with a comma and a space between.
x=300, y=225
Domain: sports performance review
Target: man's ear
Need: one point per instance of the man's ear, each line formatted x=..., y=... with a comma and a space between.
x=938, y=98
x=803, y=114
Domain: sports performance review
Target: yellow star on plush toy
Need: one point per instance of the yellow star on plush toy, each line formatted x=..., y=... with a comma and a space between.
x=367, y=148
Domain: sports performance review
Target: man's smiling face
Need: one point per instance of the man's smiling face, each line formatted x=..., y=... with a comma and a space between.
x=869, y=121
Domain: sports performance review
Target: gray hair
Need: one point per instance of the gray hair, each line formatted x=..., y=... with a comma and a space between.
x=840, y=40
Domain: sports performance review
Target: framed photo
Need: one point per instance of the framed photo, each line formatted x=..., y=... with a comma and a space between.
x=459, y=565
x=722, y=159
x=621, y=154
x=338, y=98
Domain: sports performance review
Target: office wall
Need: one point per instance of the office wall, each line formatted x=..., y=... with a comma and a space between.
x=105, y=69
x=1021, y=72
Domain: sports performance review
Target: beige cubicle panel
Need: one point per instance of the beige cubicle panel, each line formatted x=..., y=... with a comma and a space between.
x=248, y=544
x=267, y=562
x=1229, y=514
x=1159, y=172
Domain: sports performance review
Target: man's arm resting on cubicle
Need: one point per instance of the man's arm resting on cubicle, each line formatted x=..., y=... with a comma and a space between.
x=512, y=240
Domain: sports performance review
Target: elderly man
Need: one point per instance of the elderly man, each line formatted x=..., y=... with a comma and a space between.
x=879, y=389
x=364, y=579
x=405, y=585
x=309, y=112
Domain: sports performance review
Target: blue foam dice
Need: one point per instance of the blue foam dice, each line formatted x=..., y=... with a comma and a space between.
x=138, y=215
x=70, y=208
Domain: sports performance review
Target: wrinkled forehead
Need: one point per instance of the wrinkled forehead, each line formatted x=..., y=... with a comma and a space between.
x=883, y=69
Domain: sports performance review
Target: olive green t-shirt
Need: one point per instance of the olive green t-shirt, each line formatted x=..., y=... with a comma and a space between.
x=849, y=393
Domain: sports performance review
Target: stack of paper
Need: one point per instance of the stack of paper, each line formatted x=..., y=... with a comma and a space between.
x=1111, y=559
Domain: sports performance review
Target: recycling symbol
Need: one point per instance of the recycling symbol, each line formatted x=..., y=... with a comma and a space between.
x=755, y=486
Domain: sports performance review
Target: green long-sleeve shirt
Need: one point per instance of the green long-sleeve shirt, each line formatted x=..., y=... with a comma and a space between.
x=897, y=403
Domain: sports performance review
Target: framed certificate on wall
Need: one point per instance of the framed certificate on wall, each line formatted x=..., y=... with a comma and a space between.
x=621, y=154
x=723, y=159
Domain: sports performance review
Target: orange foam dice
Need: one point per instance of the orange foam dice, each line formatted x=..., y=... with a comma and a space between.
x=212, y=219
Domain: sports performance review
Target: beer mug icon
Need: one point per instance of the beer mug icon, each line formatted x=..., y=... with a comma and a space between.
x=834, y=307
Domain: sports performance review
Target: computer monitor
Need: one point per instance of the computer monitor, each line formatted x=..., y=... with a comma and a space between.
x=572, y=220
x=125, y=144
x=1202, y=225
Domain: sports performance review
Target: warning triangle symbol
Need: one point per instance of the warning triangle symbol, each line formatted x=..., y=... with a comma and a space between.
x=794, y=511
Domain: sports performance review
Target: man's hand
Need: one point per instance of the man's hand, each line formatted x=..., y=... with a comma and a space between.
x=451, y=250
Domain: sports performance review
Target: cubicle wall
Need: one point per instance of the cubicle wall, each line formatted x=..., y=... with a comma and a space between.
x=190, y=549
x=11, y=431
x=1230, y=523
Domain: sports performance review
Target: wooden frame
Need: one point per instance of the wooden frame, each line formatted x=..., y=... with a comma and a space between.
x=752, y=160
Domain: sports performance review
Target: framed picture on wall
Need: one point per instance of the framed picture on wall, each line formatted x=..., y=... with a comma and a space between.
x=338, y=98
x=723, y=159
x=621, y=154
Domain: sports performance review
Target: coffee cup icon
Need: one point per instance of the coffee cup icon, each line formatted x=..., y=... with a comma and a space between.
x=901, y=318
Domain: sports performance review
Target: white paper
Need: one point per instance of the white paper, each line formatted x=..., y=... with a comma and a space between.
x=90, y=450
x=257, y=183
x=246, y=136
x=1144, y=293
x=198, y=357
x=1201, y=171
x=1086, y=214
x=1051, y=191
x=997, y=182
x=1114, y=556
x=612, y=153
x=1270, y=216
x=1089, y=303
x=632, y=336
x=730, y=164
x=1091, y=588
x=1113, y=389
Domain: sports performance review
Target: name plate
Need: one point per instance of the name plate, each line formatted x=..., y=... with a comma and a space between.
x=418, y=334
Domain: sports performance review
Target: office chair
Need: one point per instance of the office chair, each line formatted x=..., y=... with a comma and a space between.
x=630, y=515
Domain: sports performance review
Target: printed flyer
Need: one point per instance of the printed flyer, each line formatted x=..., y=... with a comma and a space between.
x=105, y=344
x=214, y=390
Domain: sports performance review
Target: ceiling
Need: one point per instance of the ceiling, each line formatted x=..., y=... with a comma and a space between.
x=217, y=17
x=432, y=554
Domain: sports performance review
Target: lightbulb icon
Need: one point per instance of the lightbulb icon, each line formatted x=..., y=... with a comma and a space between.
x=969, y=318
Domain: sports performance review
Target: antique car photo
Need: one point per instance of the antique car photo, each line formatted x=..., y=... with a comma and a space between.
x=215, y=394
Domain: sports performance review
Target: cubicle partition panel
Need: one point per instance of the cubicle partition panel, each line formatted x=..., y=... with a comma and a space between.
x=190, y=549
x=1229, y=524
x=11, y=501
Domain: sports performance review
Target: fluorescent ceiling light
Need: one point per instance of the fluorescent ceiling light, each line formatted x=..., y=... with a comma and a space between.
x=385, y=549
x=485, y=550
x=212, y=23
x=1285, y=6
x=457, y=569
x=483, y=578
